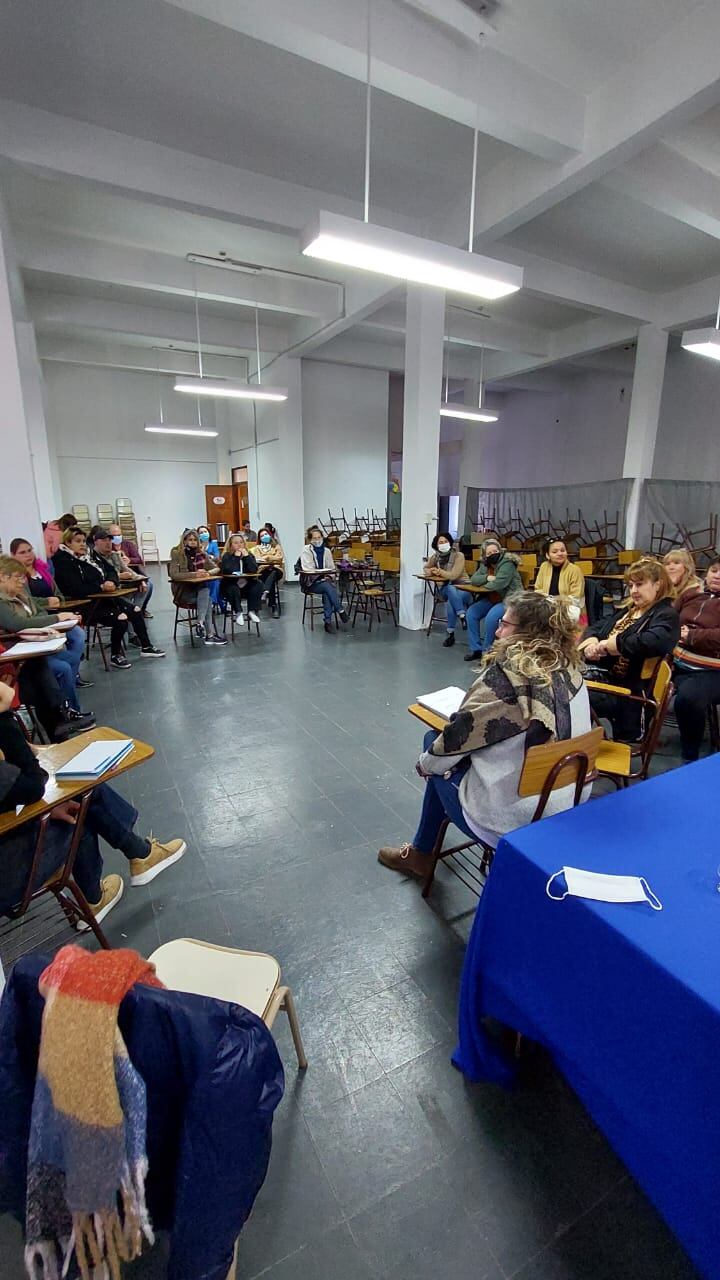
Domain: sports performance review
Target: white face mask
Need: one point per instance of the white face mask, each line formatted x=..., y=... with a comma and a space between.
x=316, y=543
x=443, y=547
x=599, y=887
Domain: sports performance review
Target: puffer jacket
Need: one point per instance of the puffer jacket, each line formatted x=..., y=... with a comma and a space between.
x=502, y=577
x=700, y=613
x=213, y=1078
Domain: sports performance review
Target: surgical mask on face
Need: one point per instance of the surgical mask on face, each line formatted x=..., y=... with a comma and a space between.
x=265, y=539
x=443, y=548
x=117, y=539
x=317, y=542
x=204, y=537
x=599, y=887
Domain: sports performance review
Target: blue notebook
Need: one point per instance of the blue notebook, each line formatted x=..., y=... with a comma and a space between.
x=94, y=760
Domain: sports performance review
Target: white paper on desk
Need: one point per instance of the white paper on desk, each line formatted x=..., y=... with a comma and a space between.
x=27, y=648
x=598, y=886
x=443, y=702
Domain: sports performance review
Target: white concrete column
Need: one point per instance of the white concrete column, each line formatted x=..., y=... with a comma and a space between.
x=19, y=508
x=468, y=453
x=44, y=456
x=425, y=322
x=281, y=498
x=643, y=421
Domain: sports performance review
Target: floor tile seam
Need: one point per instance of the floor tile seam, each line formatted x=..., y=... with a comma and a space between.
x=625, y=1177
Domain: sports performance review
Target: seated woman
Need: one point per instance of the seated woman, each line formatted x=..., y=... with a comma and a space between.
x=34, y=684
x=20, y=615
x=192, y=572
x=131, y=567
x=238, y=561
x=682, y=573
x=317, y=562
x=498, y=573
x=42, y=587
x=446, y=567
x=112, y=569
x=558, y=577
x=696, y=674
x=271, y=563
x=77, y=576
x=22, y=781
x=616, y=647
x=209, y=545
x=530, y=691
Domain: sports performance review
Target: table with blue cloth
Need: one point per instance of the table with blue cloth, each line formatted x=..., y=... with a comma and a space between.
x=625, y=998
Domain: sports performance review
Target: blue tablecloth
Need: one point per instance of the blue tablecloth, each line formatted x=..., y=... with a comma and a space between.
x=626, y=999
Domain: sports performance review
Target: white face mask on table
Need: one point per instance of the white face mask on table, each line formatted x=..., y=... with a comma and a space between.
x=600, y=887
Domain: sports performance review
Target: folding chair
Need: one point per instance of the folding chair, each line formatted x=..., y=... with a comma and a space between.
x=149, y=548
x=625, y=761
x=374, y=602
x=545, y=769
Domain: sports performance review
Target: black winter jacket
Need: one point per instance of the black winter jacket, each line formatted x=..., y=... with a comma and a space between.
x=653, y=635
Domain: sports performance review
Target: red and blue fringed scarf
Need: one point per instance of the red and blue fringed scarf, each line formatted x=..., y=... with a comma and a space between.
x=86, y=1160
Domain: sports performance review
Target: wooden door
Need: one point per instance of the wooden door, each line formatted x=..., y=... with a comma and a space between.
x=221, y=505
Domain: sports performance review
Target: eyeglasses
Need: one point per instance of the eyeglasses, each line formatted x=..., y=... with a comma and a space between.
x=506, y=625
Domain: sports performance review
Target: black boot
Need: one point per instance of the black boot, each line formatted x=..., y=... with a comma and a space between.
x=449, y=640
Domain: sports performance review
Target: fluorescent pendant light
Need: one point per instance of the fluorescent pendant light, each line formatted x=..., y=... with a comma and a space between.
x=704, y=342
x=468, y=411
x=335, y=238
x=226, y=387
x=161, y=430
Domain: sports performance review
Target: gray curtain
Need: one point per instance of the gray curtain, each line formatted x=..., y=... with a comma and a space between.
x=594, y=500
x=690, y=503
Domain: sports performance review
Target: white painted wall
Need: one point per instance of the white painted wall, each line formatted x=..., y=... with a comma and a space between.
x=345, y=439
x=567, y=435
x=96, y=419
x=688, y=439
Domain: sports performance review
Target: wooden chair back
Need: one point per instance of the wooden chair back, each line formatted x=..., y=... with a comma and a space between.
x=585, y=566
x=559, y=764
x=588, y=553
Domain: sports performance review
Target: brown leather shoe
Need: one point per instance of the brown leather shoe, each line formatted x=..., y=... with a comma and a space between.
x=408, y=860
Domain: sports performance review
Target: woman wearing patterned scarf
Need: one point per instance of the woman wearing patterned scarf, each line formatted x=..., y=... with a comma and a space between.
x=530, y=691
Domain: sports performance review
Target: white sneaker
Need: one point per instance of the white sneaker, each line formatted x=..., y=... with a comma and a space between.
x=240, y=619
x=252, y=616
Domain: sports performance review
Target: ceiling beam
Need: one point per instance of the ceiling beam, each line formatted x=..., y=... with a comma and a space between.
x=576, y=340
x=111, y=354
x=362, y=299
x=670, y=82
x=415, y=59
x=63, y=255
x=665, y=180
x=580, y=288
x=463, y=330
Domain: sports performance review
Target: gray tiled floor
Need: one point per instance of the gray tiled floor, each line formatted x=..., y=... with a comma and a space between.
x=285, y=761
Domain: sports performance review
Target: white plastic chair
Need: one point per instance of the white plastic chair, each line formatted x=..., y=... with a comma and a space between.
x=249, y=978
x=149, y=548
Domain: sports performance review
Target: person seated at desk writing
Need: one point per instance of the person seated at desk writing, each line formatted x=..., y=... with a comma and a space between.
x=558, y=577
x=131, y=566
x=192, y=571
x=44, y=591
x=237, y=561
x=683, y=575
x=22, y=781
x=498, y=574
x=616, y=647
x=446, y=568
x=271, y=563
x=696, y=673
x=113, y=570
x=77, y=576
x=530, y=691
x=314, y=558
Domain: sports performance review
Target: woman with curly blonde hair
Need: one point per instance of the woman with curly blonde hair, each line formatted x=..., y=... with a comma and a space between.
x=530, y=691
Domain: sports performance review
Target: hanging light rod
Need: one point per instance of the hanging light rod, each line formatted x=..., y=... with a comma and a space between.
x=335, y=238
x=227, y=388
x=161, y=430
x=704, y=342
x=472, y=413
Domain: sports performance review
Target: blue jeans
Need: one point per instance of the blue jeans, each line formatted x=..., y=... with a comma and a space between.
x=143, y=599
x=457, y=602
x=65, y=665
x=475, y=614
x=330, y=598
x=441, y=801
x=492, y=622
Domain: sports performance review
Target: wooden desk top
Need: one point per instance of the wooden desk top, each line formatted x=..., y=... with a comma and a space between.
x=66, y=606
x=429, y=718
x=51, y=758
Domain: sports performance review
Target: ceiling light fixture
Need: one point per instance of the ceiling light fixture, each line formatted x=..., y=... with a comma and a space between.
x=470, y=412
x=230, y=388
x=161, y=429
x=383, y=251
x=704, y=342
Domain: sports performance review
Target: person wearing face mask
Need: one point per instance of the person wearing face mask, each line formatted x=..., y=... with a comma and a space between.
x=446, y=567
x=271, y=562
x=130, y=567
x=191, y=573
x=210, y=546
x=316, y=561
x=101, y=555
x=498, y=574
x=616, y=647
x=127, y=548
x=696, y=674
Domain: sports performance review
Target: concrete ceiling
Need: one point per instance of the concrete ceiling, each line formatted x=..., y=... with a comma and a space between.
x=133, y=135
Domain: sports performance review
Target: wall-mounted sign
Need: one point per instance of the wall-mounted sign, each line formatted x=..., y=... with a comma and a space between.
x=219, y=502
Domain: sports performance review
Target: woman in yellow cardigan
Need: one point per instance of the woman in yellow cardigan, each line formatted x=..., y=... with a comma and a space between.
x=558, y=577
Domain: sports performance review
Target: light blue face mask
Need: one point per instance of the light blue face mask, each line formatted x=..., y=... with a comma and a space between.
x=266, y=538
x=204, y=537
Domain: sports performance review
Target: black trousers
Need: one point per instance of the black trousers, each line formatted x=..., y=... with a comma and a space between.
x=624, y=716
x=235, y=594
x=39, y=688
x=107, y=615
x=695, y=692
x=269, y=578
